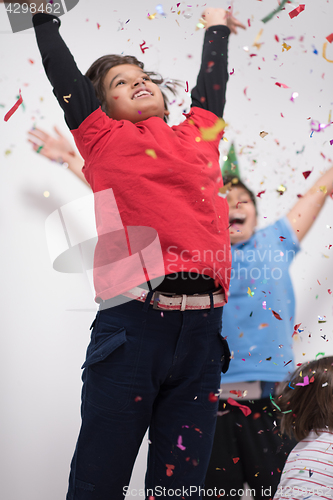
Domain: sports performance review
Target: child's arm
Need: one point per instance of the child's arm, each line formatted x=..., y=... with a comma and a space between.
x=209, y=92
x=304, y=213
x=75, y=92
x=57, y=149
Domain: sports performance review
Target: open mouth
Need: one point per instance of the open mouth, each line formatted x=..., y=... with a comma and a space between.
x=142, y=93
x=237, y=220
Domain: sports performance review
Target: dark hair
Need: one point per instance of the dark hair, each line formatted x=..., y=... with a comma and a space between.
x=235, y=181
x=99, y=69
x=308, y=407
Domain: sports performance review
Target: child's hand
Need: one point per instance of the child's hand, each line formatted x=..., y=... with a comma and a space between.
x=54, y=148
x=214, y=17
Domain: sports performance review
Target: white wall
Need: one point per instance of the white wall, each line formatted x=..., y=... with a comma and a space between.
x=46, y=315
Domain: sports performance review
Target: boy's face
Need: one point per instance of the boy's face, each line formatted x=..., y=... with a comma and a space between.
x=131, y=95
x=242, y=215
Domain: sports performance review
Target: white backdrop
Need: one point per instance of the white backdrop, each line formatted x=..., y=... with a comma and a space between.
x=46, y=315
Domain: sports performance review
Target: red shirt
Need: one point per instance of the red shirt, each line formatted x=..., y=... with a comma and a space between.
x=165, y=183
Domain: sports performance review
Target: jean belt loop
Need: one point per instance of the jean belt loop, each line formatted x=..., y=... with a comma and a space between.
x=211, y=302
x=147, y=301
x=183, y=304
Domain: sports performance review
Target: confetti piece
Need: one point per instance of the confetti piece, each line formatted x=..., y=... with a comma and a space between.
x=66, y=97
x=320, y=354
x=212, y=398
x=283, y=85
x=293, y=388
x=264, y=305
x=321, y=319
x=179, y=443
x=281, y=189
x=260, y=193
x=324, y=53
x=14, y=108
x=46, y=194
x=256, y=40
x=297, y=11
x=245, y=409
x=169, y=470
x=98, y=26
x=306, y=173
x=160, y=9
x=293, y=96
x=285, y=47
x=329, y=38
x=249, y=292
x=277, y=315
x=152, y=16
x=137, y=399
x=151, y=152
x=288, y=363
x=275, y=11
x=263, y=325
x=263, y=134
x=245, y=90
x=186, y=90
x=235, y=460
x=142, y=47
x=273, y=402
x=306, y=381
x=211, y=133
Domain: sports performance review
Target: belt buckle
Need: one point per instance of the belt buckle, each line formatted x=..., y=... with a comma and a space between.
x=156, y=296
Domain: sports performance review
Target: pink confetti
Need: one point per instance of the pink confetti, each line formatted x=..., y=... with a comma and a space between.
x=306, y=381
x=245, y=90
x=14, y=108
x=283, y=85
x=186, y=90
x=179, y=444
x=232, y=72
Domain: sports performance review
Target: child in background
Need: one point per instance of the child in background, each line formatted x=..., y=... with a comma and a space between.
x=258, y=322
x=306, y=404
x=155, y=361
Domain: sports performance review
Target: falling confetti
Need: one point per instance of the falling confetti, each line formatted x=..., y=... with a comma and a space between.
x=66, y=97
x=281, y=189
x=179, y=443
x=306, y=173
x=169, y=470
x=142, y=47
x=329, y=38
x=260, y=193
x=275, y=11
x=283, y=85
x=277, y=315
x=263, y=325
x=297, y=11
x=249, y=292
x=245, y=409
x=320, y=354
x=324, y=53
x=305, y=381
x=285, y=47
x=14, y=108
x=263, y=134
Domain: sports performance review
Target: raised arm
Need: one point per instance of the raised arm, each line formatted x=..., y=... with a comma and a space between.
x=74, y=91
x=209, y=92
x=304, y=213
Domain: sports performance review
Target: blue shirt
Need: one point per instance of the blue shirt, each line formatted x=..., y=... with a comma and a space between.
x=260, y=284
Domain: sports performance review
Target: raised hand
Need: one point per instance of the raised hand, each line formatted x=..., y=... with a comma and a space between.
x=213, y=17
x=55, y=148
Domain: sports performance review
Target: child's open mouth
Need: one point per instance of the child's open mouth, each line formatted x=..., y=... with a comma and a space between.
x=142, y=93
x=237, y=220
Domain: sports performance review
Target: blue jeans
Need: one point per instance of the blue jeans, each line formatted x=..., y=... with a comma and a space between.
x=148, y=368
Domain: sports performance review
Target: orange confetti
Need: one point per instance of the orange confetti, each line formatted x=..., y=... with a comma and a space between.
x=263, y=325
x=169, y=470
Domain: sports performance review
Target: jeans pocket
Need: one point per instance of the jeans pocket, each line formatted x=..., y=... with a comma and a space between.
x=109, y=368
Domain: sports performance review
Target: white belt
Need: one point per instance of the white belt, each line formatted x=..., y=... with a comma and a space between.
x=169, y=301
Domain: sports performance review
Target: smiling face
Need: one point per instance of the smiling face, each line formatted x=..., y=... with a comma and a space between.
x=242, y=215
x=131, y=95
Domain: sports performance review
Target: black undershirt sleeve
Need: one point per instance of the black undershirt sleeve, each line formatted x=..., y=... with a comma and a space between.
x=74, y=91
x=209, y=92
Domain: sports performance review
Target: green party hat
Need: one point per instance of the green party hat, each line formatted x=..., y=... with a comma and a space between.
x=230, y=166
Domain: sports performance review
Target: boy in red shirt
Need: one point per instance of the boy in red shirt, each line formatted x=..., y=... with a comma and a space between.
x=155, y=361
